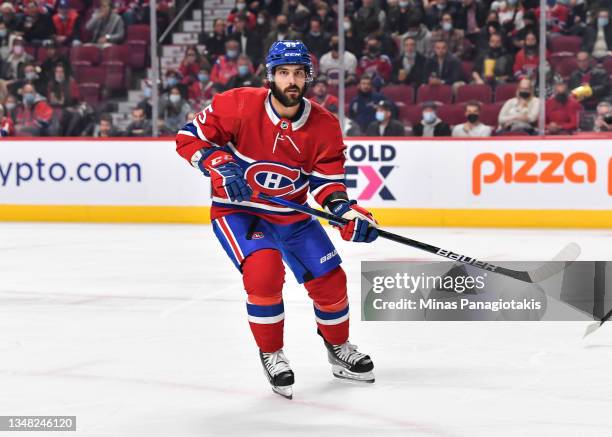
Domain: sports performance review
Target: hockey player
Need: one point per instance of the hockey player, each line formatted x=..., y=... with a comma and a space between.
x=276, y=142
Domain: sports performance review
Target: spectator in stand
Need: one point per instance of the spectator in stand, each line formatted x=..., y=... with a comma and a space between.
x=387, y=45
x=352, y=42
x=330, y=64
x=34, y=115
x=455, y=39
x=494, y=65
x=245, y=76
x=173, y=109
x=53, y=57
x=67, y=24
x=492, y=27
x=200, y=92
x=191, y=65
x=528, y=58
x=471, y=19
x=281, y=32
x=530, y=25
x=597, y=39
x=603, y=119
x=510, y=15
x=63, y=93
x=320, y=95
x=589, y=84
x=226, y=65
x=145, y=103
x=297, y=14
x=13, y=66
x=10, y=106
x=5, y=38
x=7, y=129
x=520, y=113
x=362, y=108
x=409, y=67
x=263, y=27
x=375, y=64
x=398, y=16
x=174, y=78
x=385, y=125
x=472, y=127
x=421, y=35
x=12, y=20
x=37, y=25
x=443, y=68
x=430, y=125
x=561, y=110
x=139, y=126
x=134, y=12
x=215, y=41
x=106, y=26
x=250, y=43
x=105, y=128
x=241, y=9
x=557, y=15
x=328, y=21
x=31, y=74
x=316, y=39
x=434, y=9
x=367, y=13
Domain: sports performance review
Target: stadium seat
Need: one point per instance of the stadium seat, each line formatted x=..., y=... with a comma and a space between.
x=89, y=54
x=119, y=53
x=332, y=90
x=452, y=113
x=566, y=67
x=350, y=92
x=138, y=54
x=467, y=67
x=90, y=93
x=138, y=32
x=563, y=43
x=480, y=92
x=90, y=74
x=114, y=75
x=505, y=91
x=410, y=114
x=489, y=113
x=607, y=65
x=399, y=93
x=436, y=93
x=31, y=50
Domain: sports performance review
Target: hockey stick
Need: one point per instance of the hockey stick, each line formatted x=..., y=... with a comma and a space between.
x=545, y=271
x=596, y=325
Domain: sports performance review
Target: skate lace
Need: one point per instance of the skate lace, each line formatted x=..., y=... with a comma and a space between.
x=347, y=352
x=276, y=362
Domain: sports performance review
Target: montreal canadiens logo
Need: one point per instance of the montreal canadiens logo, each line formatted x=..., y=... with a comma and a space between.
x=272, y=178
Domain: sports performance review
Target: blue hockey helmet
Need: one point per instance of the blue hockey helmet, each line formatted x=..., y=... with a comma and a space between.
x=288, y=52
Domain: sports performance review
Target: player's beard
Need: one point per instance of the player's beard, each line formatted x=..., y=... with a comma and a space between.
x=284, y=98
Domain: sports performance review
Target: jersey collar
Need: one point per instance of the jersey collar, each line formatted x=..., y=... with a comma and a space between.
x=299, y=120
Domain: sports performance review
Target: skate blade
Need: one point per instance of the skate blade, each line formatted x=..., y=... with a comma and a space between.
x=286, y=391
x=342, y=373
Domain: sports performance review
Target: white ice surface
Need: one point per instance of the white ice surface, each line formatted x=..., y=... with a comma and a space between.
x=141, y=331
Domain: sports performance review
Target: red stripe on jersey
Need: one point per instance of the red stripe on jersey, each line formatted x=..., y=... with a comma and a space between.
x=230, y=237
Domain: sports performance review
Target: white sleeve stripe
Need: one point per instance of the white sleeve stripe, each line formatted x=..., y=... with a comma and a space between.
x=186, y=132
x=327, y=176
x=320, y=188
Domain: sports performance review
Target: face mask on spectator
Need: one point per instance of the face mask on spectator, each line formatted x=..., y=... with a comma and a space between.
x=403, y=4
x=243, y=70
x=525, y=94
x=203, y=77
x=175, y=98
x=232, y=54
x=315, y=34
x=172, y=81
x=282, y=27
x=240, y=6
x=512, y=2
x=18, y=49
x=60, y=77
x=602, y=21
x=147, y=92
x=447, y=26
x=380, y=115
x=10, y=106
x=2, y=33
x=472, y=118
x=561, y=97
x=440, y=6
x=28, y=98
x=429, y=116
x=347, y=25
x=31, y=75
x=261, y=20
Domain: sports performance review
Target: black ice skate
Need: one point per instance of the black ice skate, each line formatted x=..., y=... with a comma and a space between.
x=347, y=363
x=276, y=368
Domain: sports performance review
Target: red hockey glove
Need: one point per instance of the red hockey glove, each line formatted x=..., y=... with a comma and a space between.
x=362, y=226
x=226, y=175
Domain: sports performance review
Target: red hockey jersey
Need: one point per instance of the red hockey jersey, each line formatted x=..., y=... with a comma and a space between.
x=279, y=157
